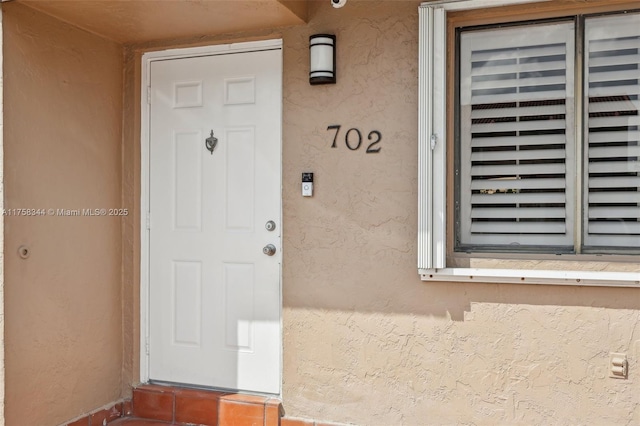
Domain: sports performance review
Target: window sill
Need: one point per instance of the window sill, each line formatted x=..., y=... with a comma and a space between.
x=530, y=276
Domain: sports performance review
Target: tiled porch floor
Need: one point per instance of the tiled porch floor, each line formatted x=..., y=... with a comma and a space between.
x=154, y=405
x=164, y=405
x=131, y=421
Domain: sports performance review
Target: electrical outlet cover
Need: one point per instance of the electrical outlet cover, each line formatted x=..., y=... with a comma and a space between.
x=618, y=365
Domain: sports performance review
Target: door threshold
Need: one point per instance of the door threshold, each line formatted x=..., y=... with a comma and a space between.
x=211, y=389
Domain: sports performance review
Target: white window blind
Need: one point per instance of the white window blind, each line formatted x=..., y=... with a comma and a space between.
x=612, y=89
x=516, y=149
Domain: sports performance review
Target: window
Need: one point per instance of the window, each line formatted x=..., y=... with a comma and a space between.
x=520, y=152
x=544, y=144
x=515, y=156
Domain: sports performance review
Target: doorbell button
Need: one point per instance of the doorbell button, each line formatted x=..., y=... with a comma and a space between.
x=307, y=189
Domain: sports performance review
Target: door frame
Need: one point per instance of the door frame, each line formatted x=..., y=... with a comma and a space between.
x=145, y=97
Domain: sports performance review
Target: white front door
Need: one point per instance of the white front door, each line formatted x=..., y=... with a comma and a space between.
x=214, y=295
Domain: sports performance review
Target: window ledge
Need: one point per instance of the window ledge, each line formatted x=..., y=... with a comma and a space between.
x=530, y=276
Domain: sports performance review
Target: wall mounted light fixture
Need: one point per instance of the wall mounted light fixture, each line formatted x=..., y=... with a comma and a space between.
x=322, y=63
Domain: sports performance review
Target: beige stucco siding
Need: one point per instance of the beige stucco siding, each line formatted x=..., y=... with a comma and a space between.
x=63, y=115
x=365, y=341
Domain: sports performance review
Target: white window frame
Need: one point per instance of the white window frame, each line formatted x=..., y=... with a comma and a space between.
x=432, y=169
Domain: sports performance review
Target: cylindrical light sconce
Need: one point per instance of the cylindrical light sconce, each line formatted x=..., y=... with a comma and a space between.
x=322, y=49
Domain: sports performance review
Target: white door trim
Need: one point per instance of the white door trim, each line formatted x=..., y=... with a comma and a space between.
x=147, y=59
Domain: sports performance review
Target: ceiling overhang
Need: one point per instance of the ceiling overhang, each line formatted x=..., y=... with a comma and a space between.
x=139, y=21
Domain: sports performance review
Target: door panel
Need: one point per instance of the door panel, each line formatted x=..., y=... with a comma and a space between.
x=215, y=300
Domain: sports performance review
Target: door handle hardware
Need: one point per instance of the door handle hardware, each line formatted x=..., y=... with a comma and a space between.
x=269, y=250
x=270, y=226
x=211, y=142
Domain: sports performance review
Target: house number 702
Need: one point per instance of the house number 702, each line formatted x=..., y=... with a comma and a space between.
x=353, y=139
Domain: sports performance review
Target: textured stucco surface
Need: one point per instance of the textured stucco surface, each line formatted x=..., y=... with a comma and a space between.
x=131, y=226
x=63, y=115
x=365, y=341
x=504, y=363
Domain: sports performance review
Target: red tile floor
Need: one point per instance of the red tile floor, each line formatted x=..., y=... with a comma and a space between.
x=154, y=405
x=130, y=421
x=190, y=406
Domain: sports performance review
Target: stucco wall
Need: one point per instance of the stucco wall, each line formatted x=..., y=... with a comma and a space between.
x=365, y=341
x=63, y=115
